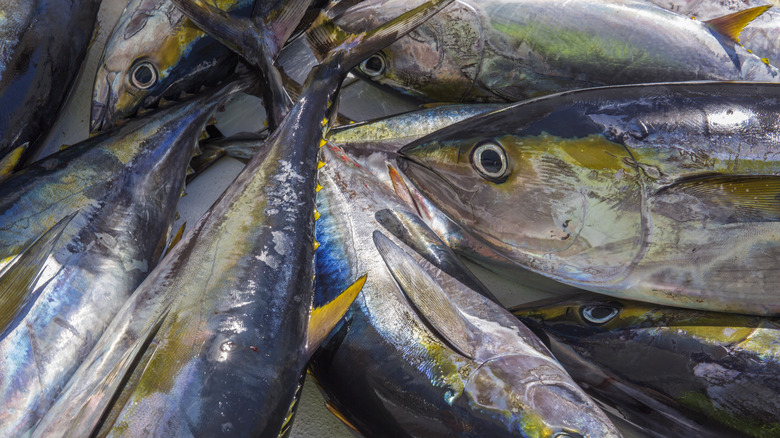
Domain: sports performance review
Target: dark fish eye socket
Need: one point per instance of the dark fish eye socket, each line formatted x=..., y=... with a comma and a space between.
x=599, y=314
x=490, y=161
x=373, y=66
x=144, y=75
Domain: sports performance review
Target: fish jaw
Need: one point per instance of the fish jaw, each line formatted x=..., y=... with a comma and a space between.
x=104, y=98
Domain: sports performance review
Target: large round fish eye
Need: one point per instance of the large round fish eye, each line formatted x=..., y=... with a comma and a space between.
x=490, y=161
x=599, y=314
x=144, y=75
x=373, y=66
x=568, y=435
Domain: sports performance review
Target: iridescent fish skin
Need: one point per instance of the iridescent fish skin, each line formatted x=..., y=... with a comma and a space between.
x=499, y=50
x=389, y=374
x=167, y=52
x=664, y=193
x=42, y=45
x=124, y=186
x=689, y=373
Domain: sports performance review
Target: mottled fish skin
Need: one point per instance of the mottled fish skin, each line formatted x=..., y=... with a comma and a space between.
x=655, y=363
x=125, y=185
x=153, y=37
x=760, y=36
x=663, y=193
x=499, y=50
x=410, y=381
x=42, y=45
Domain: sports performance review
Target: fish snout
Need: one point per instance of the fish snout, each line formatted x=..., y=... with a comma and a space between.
x=104, y=100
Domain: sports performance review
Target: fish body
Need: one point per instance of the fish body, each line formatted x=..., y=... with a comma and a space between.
x=387, y=372
x=42, y=45
x=499, y=50
x=685, y=372
x=123, y=187
x=662, y=193
x=155, y=52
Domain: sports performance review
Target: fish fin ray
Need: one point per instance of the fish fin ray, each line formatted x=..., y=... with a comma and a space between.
x=426, y=296
x=731, y=25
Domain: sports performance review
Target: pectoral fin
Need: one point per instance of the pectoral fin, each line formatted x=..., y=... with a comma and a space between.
x=18, y=278
x=324, y=318
x=427, y=297
x=725, y=198
x=731, y=25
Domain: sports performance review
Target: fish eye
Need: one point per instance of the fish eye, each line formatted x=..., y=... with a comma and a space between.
x=599, y=314
x=490, y=161
x=568, y=435
x=373, y=66
x=144, y=75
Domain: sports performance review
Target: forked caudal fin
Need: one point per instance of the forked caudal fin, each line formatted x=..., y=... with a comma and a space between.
x=324, y=318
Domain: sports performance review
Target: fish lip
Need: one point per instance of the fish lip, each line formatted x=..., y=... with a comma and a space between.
x=104, y=99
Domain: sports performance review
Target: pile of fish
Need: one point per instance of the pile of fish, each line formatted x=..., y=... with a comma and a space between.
x=621, y=157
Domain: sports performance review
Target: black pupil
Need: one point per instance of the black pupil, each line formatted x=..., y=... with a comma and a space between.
x=600, y=313
x=143, y=75
x=374, y=64
x=490, y=160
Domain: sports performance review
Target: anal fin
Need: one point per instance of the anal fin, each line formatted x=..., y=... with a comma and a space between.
x=324, y=318
x=731, y=25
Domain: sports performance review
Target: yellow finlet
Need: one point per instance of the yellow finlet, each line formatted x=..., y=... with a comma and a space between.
x=316, y=245
x=320, y=164
x=323, y=319
x=318, y=188
x=316, y=215
x=731, y=25
x=9, y=162
x=324, y=121
x=323, y=142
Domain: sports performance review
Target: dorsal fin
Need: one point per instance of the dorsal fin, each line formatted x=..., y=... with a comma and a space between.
x=10, y=161
x=729, y=198
x=324, y=318
x=18, y=278
x=731, y=25
x=426, y=296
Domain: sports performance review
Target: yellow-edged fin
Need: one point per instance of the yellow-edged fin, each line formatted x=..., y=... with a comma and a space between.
x=427, y=297
x=324, y=318
x=731, y=25
x=18, y=278
x=10, y=161
x=176, y=238
x=728, y=198
x=400, y=187
x=336, y=413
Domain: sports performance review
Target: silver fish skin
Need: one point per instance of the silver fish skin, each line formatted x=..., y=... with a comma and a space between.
x=124, y=185
x=760, y=36
x=498, y=381
x=220, y=343
x=42, y=45
x=499, y=50
x=663, y=193
x=675, y=372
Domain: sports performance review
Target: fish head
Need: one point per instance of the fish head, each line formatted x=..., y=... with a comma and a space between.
x=425, y=63
x=542, y=402
x=516, y=192
x=154, y=52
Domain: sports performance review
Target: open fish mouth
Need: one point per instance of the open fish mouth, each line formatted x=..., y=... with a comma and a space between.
x=104, y=100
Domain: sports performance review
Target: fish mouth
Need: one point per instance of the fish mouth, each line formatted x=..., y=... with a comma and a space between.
x=104, y=99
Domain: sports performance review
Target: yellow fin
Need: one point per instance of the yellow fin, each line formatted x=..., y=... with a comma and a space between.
x=336, y=413
x=176, y=238
x=323, y=319
x=9, y=162
x=731, y=25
